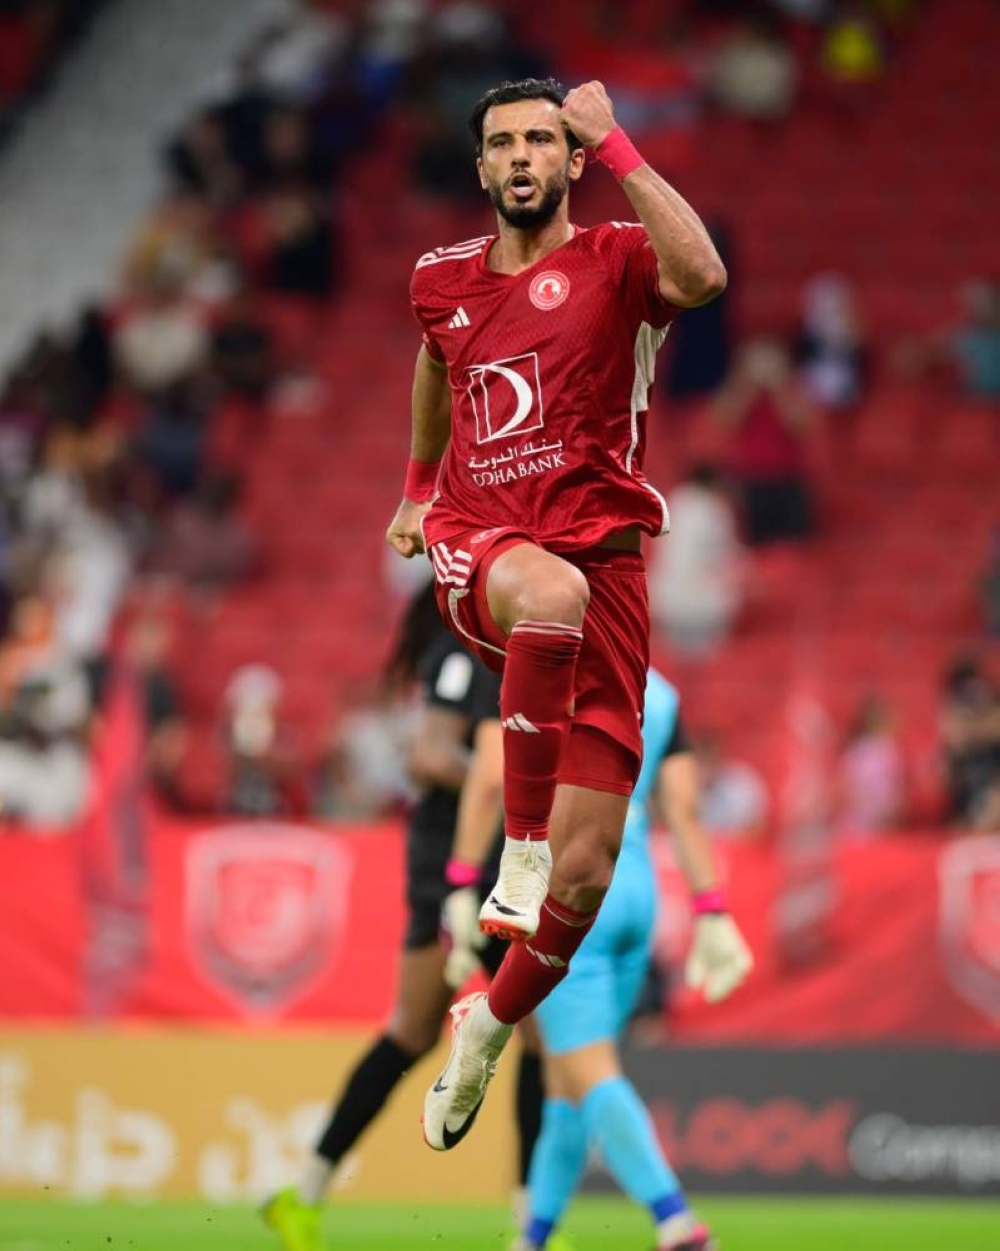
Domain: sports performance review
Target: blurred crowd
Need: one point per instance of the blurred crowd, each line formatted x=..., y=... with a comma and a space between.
x=119, y=478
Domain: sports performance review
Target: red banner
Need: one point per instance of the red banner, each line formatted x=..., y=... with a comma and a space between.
x=260, y=922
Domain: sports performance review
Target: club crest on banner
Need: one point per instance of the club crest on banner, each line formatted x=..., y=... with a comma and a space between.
x=970, y=921
x=264, y=906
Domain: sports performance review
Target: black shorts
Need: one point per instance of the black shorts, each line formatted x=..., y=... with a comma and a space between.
x=427, y=855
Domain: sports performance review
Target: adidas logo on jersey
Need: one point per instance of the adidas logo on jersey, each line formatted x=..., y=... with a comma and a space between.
x=520, y=722
x=460, y=320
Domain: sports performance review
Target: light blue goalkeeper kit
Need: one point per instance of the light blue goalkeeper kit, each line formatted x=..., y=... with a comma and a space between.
x=594, y=1004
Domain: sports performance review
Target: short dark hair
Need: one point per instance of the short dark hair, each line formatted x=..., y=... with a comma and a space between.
x=511, y=93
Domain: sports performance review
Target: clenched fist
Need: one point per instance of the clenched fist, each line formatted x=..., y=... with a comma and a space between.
x=404, y=532
x=588, y=113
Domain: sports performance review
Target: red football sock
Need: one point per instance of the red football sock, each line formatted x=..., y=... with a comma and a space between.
x=530, y=970
x=535, y=699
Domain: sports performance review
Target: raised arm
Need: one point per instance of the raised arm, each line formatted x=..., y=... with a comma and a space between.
x=430, y=432
x=690, y=269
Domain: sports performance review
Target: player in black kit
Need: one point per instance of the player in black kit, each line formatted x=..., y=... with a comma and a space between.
x=460, y=712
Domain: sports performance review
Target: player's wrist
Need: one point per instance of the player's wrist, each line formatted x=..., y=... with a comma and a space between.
x=420, y=485
x=462, y=873
x=617, y=151
x=710, y=902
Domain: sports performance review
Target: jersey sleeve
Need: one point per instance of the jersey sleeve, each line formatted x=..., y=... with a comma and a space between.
x=421, y=311
x=632, y=261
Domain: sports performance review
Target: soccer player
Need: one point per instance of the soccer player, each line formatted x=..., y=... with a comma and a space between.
x=459, y=730
x=525, y=486
x=590, y=1102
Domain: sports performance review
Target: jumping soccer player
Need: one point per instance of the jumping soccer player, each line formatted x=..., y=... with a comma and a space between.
x=590, y=1102
x=525, y=486
x=458, y=728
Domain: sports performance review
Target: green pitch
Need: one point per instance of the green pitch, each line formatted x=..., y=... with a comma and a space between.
x=608, y=1224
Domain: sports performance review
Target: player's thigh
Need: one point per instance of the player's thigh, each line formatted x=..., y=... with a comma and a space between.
x=422, y=998
x=631, y=969
x=585, y=834
x=582, y=1009
x=526, y=581
x=573, y=1074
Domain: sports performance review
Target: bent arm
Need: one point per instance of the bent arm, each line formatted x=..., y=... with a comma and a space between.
x=431, y=409
x=690, y=269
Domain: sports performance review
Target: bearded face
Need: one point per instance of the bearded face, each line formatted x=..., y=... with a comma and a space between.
x=526, y=202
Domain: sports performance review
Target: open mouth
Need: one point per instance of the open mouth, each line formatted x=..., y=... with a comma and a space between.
x=522, y=186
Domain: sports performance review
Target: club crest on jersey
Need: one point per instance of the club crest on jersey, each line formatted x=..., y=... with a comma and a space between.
x=506, y=397
x=548, y=290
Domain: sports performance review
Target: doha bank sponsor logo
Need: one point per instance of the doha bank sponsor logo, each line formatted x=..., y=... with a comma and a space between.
x=99, y=1146
x=969, y=914
x=265, y=904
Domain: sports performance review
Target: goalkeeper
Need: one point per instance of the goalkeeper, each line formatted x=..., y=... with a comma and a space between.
x=590, y=1102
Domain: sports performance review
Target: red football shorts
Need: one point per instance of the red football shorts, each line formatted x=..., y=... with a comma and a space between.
x=604, y=749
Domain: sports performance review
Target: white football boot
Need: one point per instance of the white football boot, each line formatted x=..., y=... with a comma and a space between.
x=453, y=1102
x=512, y=907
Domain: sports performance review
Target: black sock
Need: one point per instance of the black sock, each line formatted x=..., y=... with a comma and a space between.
x=530, y=1096
x=367, y=1089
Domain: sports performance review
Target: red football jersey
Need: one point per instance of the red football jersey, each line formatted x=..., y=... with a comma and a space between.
x=550, y=371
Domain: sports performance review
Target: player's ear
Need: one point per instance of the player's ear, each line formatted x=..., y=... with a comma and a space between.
x=481, y=172
x=577, y=162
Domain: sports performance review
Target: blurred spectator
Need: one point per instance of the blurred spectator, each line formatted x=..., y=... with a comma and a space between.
x=265, y=777
x=754, y=73
x=734, y=798
x=44, y=713
x=147, y=647
x=290, y=157
x=871, y=772
x=90, y=565
x=832, y=351
x=243, y=348
x=178, y=254
x=975, y=344
x=299, y=248
x=970, y=734
x=468, y=51
x=701, y=340
x=201, y=163
x=852, y=47
x=163, y=341
x=170, y=441
x=990, y=584
x=364, y=774
x=695, y=581
x=290, y=56
x=204, y=541
x=768, y=416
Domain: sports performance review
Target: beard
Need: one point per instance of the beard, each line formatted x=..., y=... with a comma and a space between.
x=525, y=216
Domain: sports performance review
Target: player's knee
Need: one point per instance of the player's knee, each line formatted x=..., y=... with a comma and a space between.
x=562, y=597
x=583, y=872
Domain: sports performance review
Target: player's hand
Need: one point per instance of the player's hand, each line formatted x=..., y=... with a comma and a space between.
x=404, y=532
x=587, y=111
x=719, y=959
x=460, y=925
